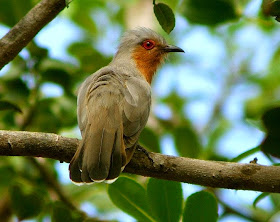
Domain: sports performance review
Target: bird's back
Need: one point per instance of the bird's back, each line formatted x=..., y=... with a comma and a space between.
x=113, y=108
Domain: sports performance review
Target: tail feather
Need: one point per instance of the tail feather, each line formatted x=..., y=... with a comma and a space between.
x=75, y=167
x=99, y=157
x=116, y=158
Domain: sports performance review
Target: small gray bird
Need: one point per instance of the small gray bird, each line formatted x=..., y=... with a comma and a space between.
x=114, y=106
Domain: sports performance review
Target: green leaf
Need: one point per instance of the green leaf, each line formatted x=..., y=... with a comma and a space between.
x=271, y=143
x=150, y=140
x=5, y=105
x=130, y=197
x=255, y=106
x=201, y=206
x=166, y=199
x=58, y=76
x=60, y=212
x=215, y=134
x=7, y=175
x=176, y=103
x=38, y=53
x=271, y=120
x=8, y=86
x=255, y=123
x=165, y=17
x=246, y=154
x=26, y=202
x=85, y=53
x=52, y=114
x=11, y=11
x=187, y=142
x=210, y=13
x=58, y=72
x=259, y=198
x=84, y=20
x=275, y=199
x=44, y=119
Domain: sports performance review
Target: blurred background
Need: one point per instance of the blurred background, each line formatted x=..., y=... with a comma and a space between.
x=207, y=103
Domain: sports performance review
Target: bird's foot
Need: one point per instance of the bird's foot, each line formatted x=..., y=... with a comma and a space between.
x=140, y=148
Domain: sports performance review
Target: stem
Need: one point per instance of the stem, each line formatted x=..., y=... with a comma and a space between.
x=245, y=154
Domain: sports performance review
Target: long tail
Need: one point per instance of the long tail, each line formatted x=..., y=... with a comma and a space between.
x=100, y=156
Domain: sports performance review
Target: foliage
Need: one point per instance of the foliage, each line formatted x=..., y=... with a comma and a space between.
x=162, y=201
x=245, y=77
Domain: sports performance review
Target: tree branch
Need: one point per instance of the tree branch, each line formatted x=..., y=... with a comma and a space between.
x=26, y=29
x=206, y=173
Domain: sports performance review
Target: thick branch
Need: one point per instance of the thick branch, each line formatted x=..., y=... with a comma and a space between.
x=26, y=29
x=206, y=173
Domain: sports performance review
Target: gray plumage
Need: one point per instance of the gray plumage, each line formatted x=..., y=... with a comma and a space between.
x=113, y=108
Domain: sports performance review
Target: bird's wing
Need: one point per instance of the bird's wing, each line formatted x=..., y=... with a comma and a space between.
x=101, y=153
x=136, y=108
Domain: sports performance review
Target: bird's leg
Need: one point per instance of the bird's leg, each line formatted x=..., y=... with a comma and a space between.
x=142, y=149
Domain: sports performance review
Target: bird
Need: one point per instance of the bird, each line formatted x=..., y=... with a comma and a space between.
x=113, y=107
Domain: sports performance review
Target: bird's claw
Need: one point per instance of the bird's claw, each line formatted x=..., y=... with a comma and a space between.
x=140, y=148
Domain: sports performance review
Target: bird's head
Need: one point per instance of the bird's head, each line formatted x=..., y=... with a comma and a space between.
x=146, y=49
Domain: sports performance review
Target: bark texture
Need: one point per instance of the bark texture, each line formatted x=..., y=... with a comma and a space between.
x=206, y=173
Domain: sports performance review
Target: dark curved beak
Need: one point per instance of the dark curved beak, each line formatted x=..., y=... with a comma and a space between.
x=172, y=48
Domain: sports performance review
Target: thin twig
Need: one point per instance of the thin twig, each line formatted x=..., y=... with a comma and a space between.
x=230, y=210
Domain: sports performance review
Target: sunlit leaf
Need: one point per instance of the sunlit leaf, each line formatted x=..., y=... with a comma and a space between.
x=187, y=141
x=216, y=133
x=130, y=197
x=246, y=154
x=201, y=206
x=255, y=123
x=166, y=199
x=175, y=101
x=259, y=198
x=165, y=17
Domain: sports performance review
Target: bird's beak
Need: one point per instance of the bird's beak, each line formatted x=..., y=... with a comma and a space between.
x=172, y=48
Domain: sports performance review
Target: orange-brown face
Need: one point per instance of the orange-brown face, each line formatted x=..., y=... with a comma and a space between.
x=148, y=56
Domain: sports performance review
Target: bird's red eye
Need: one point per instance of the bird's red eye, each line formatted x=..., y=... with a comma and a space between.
x=148, y=44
